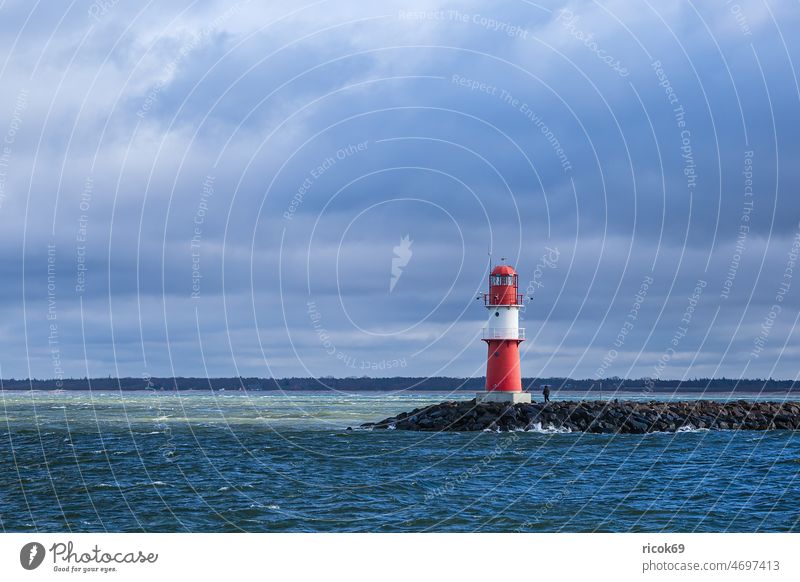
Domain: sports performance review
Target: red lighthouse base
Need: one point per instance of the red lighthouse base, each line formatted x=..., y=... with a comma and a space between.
x=503, y=376
x=502, y=366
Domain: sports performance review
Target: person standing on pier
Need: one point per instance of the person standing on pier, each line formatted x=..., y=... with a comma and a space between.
x=546, y=392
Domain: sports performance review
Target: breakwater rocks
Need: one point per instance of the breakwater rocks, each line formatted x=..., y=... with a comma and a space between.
x=607, y=417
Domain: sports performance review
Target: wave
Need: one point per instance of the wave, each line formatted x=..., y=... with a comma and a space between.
x=360, y=428
x=550, y=429
x=690, y=428
x=271, y=506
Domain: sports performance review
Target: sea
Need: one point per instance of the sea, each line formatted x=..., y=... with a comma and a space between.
x=276, y=462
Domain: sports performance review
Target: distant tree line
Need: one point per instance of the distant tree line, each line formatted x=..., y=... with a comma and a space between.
x=365, y=383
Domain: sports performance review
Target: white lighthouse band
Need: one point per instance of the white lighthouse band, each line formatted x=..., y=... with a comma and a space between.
x=503, y=323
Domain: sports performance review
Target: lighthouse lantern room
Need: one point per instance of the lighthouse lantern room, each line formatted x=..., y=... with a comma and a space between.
x=503, y=336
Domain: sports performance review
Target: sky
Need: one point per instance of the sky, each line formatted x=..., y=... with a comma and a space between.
x=313, y=189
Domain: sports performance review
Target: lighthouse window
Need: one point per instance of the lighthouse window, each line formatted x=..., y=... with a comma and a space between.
x=502, y=280
x=497, y=314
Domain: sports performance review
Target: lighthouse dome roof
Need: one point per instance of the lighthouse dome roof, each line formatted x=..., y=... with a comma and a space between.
x=503, y=270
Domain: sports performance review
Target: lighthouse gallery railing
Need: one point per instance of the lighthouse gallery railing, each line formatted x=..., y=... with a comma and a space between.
x=491, y=300
x=503, y=333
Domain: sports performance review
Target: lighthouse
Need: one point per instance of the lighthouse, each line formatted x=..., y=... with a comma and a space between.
x=503, y=336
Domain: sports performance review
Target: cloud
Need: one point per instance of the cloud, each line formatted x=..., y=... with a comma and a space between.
x=268, y=159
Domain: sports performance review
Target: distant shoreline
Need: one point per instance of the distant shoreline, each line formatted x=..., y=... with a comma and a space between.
x=640, y=386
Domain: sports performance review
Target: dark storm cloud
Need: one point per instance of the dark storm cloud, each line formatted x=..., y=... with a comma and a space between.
x=225, y=186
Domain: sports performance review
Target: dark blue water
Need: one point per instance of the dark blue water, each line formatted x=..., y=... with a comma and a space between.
x=272, y=463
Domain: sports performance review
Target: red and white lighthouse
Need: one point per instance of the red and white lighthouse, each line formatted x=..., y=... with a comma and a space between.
x=503, y=336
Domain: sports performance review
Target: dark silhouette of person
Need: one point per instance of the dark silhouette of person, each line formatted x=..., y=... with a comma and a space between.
x=546, y=393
